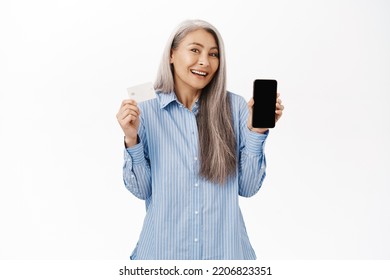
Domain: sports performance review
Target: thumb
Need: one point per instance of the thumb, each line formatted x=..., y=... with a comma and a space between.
x=250, y=103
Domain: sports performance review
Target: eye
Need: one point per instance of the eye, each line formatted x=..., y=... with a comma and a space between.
x=195, y=50
x=214, y=55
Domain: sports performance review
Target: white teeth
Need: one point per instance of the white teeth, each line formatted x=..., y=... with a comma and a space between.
x=199, y=73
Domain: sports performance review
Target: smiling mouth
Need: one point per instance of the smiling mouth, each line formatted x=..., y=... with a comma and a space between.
x=199, y=73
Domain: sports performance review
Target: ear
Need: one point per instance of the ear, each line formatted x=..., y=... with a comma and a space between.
x=171, y=57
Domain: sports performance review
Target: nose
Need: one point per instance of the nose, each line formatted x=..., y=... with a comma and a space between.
x=204, y=60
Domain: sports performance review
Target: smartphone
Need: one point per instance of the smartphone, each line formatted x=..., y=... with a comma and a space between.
x=264, y=95
x=141, y=92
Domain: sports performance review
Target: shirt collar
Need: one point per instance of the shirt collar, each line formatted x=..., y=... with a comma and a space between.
x=167, y=98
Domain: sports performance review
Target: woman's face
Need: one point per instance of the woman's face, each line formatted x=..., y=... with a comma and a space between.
x=195, y=61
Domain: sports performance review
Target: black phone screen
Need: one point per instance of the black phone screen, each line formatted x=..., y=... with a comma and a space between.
x=264, y=95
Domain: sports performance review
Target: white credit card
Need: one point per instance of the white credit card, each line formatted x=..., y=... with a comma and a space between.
x=141, y=92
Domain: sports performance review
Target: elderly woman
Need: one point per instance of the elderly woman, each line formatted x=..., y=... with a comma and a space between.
x=191, y=152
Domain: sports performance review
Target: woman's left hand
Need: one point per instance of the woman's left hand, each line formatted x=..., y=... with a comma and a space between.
x=278, y=114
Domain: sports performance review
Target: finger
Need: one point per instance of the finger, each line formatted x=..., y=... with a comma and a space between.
x=130, y=108
x=127, y=113
x=126, y=122
x=279, y=106
x=251, y=102
x=129, y=101
x=122, y=114
x=125, y=103
x=133, y=113
x=129, y=120
x=278, y=115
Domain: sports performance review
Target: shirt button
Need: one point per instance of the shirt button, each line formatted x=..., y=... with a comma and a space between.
x=196, y=212
x=195, y=158
x=196, y=239
x=132, y=176
x=196, y=185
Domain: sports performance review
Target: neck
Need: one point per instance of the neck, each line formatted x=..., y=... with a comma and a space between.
x=187, y=97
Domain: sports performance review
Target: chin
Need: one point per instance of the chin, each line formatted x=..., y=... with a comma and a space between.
x=200, y=86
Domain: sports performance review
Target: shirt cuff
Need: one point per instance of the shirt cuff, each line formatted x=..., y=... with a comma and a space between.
x=135, y=154
x=255, y=142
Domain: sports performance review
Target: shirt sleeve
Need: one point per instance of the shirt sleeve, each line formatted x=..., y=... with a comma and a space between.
x=252, y=163
x=136, y=168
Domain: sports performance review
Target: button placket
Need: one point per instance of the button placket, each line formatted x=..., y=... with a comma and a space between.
x=196, y=191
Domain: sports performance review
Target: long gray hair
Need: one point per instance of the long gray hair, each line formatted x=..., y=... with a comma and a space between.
x=217, y=140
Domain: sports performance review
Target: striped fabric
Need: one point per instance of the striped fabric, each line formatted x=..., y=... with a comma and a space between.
x=188, y=217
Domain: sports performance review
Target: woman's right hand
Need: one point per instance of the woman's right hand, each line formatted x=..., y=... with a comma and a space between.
x=128, y=119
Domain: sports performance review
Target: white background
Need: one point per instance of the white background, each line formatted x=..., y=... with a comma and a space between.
x=64, y=69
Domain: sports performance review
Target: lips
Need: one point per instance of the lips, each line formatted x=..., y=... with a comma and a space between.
x=199, y=73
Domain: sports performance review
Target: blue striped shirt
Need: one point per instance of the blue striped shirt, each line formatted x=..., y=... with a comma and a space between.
x=188, y=217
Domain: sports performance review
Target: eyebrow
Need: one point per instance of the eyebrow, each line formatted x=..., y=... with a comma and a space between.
x=199, y=44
